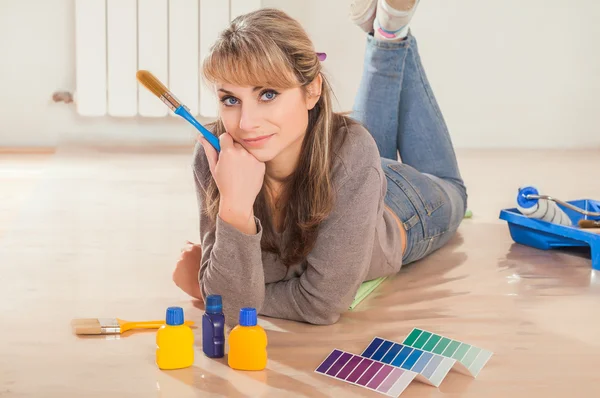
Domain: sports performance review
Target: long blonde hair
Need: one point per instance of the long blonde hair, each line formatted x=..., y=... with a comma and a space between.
x=268, y=48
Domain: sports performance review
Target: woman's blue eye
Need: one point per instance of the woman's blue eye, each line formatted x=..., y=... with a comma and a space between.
x=229, y=101
x=268, y=96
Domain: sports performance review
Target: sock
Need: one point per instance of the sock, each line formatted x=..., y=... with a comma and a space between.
x=393, y=17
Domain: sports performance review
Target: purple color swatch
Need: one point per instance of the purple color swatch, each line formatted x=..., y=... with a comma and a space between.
x=359, y=370
x=349, y=367
x=368, y=375
x=362, y=371
x=329, y=361
x=380, y=376
x=335, y=368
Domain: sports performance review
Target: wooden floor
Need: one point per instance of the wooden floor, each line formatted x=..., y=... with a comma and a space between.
x=91, y=232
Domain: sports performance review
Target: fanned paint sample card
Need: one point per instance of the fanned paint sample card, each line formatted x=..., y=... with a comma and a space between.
x=388, y=367
x=430, y=368
x=365, y=372
x=469, y=359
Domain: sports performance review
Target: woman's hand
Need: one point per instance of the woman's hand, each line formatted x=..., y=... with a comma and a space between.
x=187, y=269
x=239, y=177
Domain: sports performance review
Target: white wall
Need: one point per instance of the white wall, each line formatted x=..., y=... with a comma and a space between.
x=37, y=55
x=510, y=73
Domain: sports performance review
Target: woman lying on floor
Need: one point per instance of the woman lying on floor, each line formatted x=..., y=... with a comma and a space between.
x=302, y=204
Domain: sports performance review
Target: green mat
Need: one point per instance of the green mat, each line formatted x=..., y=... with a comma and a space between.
x=367, y=287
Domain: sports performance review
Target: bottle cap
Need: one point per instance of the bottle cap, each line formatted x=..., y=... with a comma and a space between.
x=214, y=304
x=174, y=316
x=248, y=317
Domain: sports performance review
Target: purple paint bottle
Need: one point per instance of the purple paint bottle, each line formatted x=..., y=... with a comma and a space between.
x=213, y=328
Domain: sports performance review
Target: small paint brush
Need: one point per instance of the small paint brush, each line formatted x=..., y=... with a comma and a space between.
x=148, y=80
x=589, y=223
x=113, y=325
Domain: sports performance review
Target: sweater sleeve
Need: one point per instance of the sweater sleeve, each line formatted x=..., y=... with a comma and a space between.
x=340, y=260
x=231, y=264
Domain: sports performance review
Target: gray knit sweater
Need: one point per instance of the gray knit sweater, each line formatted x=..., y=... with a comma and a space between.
x=359, y=241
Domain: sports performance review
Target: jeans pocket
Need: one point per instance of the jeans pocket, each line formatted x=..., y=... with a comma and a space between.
x=429, y=200
x=420, y=189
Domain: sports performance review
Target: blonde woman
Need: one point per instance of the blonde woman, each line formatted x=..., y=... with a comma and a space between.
x=303, y=204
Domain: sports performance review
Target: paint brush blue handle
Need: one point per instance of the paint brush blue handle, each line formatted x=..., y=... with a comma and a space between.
x=184, y=113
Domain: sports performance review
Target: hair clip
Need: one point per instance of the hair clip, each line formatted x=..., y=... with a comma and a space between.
x=322, y=56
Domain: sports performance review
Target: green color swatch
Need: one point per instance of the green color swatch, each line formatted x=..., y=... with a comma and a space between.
x=422, y=340
x=441, y=346
x=433, y=340
x=412, y=337
x=470, y=357
x=451, y=349
x=460, y=353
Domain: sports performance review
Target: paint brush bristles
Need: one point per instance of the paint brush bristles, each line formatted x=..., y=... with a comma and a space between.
x=148, y=80
x=96, y=326
x=589, y=223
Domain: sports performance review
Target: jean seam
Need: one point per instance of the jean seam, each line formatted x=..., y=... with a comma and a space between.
x=412, y=199
x=410, y=223
x=427, y=250
x=436, y=205
x=439, y=234
x=431, y=238
x=400, y=84
x=389, y=205
x=407, y=193
x=427, y=87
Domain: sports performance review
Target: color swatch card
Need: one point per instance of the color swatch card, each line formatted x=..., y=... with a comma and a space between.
x=365, y=372
x=430, y=368
x=469, y=359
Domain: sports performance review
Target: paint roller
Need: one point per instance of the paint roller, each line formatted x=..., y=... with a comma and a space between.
x=543, y=207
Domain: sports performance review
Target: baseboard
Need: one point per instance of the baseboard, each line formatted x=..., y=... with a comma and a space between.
x=26, y=150
x=101, y=147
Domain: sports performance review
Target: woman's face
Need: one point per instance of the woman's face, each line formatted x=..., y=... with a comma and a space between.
x=268, y=122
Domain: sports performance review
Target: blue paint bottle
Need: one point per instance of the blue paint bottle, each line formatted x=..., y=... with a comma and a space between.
x=213, y=328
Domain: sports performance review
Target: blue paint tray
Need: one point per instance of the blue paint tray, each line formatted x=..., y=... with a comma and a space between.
x=545, y=236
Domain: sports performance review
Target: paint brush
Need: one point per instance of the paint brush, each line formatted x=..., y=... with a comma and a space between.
x=589, y=223
x=113, y=325
x=154, y=85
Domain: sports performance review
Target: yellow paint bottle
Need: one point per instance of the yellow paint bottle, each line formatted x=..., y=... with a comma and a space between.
x=174, y=342
x=247, y=343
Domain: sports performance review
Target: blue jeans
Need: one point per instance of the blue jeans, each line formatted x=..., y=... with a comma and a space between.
x=396, y=104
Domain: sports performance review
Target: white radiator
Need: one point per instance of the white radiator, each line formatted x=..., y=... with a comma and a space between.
x=170, y=38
